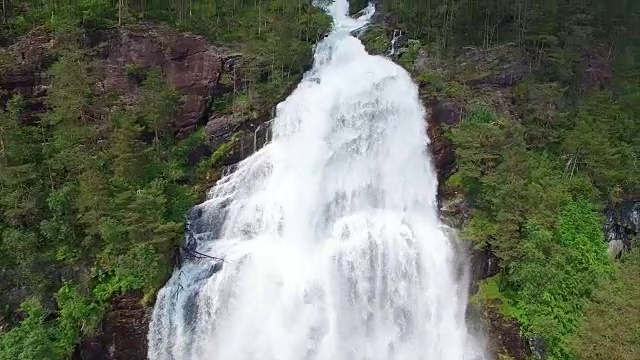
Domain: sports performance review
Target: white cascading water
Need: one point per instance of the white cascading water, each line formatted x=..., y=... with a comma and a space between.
x=330, y=235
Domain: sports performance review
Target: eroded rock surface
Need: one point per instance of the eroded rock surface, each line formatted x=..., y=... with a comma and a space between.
x=622, y=224
x=123, y=334
x=188, y=63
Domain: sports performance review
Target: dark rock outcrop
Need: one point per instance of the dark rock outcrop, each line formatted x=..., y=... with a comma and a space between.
x=484, y=264
x=123, y=334
x=442, y=113
x=30, y=57
x=622, y=224
x=220, y=128
x=504, y=334
x=595, y=70
x=538, y=348
x=497, y=66
x=188, y=62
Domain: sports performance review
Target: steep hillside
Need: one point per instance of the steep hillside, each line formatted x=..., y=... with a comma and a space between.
x=533, y=114
x=113, y=123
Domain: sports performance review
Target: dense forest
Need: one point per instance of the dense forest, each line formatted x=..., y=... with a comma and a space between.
x=547, y=142
x=94, y=189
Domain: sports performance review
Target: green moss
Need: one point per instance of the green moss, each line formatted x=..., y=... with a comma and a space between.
x=489, y=295
x=376, y=39
x=7, y=62
x=410, y=54
x=480, y=113
x=221, y=152
x=135, y=72
x=432, y=83
x=454, y=89
x=613, y=313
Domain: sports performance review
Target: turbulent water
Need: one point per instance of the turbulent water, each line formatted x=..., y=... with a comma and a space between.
x=330, y=235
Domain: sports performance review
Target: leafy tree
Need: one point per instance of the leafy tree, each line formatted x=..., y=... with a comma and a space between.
x=157, y=105
x=539, y=219
x=610, y=329
x=602, y=145
x=32, y=339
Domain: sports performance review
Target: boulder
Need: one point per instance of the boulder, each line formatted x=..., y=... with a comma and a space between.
x=484, y=264
x=505, y=335
x=622, y=224
x=220, y=128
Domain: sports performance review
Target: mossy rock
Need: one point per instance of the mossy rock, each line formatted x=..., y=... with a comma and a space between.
x=376, y=39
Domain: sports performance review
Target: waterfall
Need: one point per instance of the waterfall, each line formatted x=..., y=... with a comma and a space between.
x=325, y=244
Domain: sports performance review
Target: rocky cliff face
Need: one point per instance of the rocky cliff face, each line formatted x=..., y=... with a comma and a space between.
x=24, y=73
x=123, y=334
x=188, y=62
x=622, y=225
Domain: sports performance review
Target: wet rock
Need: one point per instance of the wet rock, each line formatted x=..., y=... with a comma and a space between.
x=240, y=148
x=538, y=348
x=123, y=334
x=454, y=209
x=484, y=264
x=504, y=334
x=442, y=113
x=622, y=224
x=220, y=128
x=398, y=43
x=205, y=219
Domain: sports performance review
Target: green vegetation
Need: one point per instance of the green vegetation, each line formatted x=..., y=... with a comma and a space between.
x=540, y=214
x=376, y=39
x=489, y=292
x=94, y=190
x=540, y=221
x=613, y=314
x=534, y=25
x=539, y=155
x=87, y=201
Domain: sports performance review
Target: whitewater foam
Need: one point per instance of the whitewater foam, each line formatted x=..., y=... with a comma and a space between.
x=332, y=245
